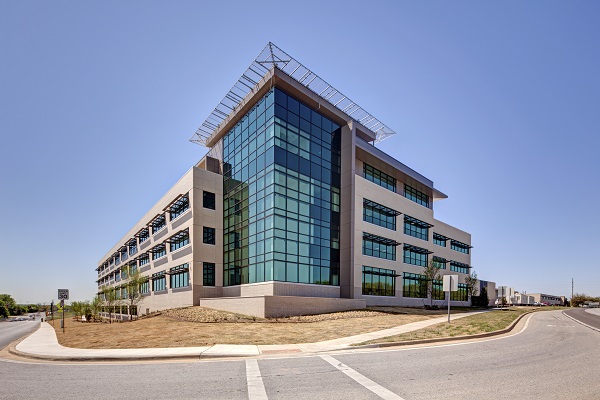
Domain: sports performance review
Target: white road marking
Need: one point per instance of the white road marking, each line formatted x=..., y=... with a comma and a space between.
x=361, y=379
x=256, y=387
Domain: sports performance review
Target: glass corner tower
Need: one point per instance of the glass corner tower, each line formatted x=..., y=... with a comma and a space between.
x=281, y=195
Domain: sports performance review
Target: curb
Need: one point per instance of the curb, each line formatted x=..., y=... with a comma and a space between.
x=579, y=322
x=446, y=339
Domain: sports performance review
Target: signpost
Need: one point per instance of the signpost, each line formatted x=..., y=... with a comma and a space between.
x=63, y=294
x=450, y=285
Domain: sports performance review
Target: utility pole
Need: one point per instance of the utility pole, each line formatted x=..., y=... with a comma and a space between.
x=572, y=286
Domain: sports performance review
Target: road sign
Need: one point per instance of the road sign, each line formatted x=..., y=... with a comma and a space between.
x=450, y=284
x=63, y=294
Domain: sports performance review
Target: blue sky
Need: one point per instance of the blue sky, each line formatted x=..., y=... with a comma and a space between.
x=497, y=102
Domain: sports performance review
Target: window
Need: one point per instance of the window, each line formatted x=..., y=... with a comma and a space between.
x=377, y=246
x=132, y=248
x=414, y=285
x=208, y=274
x=459, y=267
x=123, y=253
x=416, y=228
x=415, y=255
x=379, y=215
x=380, y=178
x=180, y=276
x=158, y=223
x=208, y=200
x=179, y=240
x=459, y=246
x=439, y=239
x=159, y=251
x=461, y=294
x=378, y=281
x=159, y=282
x=144, y=260
x=143, y=235
x=437, y=292
x=439, y=262
x=208, y=235
x=416, y=195
x=145, y=287
x=180, y=206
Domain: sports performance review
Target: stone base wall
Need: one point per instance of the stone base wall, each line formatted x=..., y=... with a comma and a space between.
x=274, y=288
x=282, y=306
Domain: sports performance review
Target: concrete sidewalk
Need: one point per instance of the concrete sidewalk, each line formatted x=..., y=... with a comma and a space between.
x=43, y=344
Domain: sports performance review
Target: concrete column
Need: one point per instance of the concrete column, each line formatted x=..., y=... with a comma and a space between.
x=348, y=164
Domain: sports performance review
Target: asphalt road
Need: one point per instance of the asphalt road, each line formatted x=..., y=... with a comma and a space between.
x=588, y=316
x=10, y=331
x=554, y=358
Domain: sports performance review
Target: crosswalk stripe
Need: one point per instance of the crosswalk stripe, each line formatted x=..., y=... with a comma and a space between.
x=256, y=387
x=361, y=379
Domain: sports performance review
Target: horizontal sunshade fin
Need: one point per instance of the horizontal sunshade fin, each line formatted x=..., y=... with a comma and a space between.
x=143, y=232
x=179, y=235
x=417, y=222
x=380, y=239
x=416, y=249
x=461, y=244
x=177, y=200
x=459, y=264
x=179, y=268
x=380, y=207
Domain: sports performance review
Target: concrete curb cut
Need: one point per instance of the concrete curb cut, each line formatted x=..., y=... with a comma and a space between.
x=446, y=339
x=579, y=322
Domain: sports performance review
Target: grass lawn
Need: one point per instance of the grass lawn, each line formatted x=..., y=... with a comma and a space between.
x=176, y=328
x=481, y=323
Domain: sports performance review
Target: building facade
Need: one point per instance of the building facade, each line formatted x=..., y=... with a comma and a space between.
x=306, y=216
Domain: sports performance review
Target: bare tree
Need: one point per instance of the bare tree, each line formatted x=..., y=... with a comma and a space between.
x=431, y=273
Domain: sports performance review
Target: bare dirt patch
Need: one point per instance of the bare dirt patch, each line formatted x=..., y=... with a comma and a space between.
x=198, y=326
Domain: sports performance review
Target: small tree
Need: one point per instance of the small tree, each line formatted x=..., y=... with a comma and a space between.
x=76, y=308
x=431, y=273
x=86, y=310
x=96, y=306
x=109, y=299
x=481, y=300
x=134, y=294
x=471, y=282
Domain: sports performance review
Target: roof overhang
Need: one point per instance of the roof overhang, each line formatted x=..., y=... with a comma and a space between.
x=261, y=76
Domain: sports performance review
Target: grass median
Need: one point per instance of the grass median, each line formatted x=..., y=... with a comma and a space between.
x=486, y=322
x=198, y=326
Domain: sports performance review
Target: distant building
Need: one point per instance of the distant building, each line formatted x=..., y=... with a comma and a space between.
x=515, y=298
x=292, y=211
x=548, y=299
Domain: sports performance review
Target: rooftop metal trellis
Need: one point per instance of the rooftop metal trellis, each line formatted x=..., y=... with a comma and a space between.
x=272, y=56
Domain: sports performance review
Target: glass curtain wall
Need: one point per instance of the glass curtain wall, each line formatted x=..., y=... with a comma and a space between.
x=281, y=195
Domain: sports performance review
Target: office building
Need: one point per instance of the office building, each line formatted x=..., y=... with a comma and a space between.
x=305, y=213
